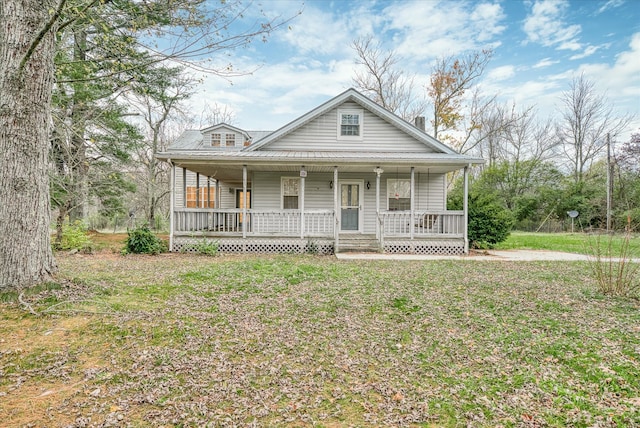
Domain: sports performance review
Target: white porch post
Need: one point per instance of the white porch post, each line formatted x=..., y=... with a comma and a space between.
x=378, y=172
x=336, y=206
x=413, y=204
x=303, y=174
x=217, y=198
x=465, y=208
x=244, y=201
x=197, y=190
x=208, y=192
x=184, y=187
x=172, y=203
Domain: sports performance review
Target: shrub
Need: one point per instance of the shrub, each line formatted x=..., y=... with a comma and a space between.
x=614, y=270
x=75, y=237
x=142, y=241
x=205, y=247
x=489, y=222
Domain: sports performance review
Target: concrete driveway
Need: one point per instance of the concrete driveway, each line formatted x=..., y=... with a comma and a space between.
x=491, y=255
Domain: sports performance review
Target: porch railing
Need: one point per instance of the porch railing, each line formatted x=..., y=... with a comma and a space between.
x=258, y=222
x=425, y=223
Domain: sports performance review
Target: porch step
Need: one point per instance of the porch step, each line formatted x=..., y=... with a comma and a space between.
x=357, y=244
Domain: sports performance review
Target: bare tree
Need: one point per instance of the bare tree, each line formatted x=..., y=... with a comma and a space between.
x=450, y=79
x=384, y=82
x=587, y=118
x=27, y=36
x=158, y=101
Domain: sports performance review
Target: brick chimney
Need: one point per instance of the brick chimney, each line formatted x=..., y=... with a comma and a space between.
x=419, y=123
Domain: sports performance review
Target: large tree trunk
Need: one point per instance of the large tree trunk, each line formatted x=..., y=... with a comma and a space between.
x=25, y=108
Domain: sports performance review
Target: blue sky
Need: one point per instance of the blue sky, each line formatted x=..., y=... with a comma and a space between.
x=539, y=46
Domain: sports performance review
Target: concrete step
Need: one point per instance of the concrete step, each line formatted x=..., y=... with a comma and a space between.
x=358, y=244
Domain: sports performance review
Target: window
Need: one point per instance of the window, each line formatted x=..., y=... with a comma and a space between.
x=350, y=124
x=197, y=197
x=398, y=194
x=290, y=189
x=215, y=139
x=230, y=139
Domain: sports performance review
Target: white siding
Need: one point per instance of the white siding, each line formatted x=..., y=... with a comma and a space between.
x=266, y=192
x=238, y=138
x=228, y=199
x=321, y=134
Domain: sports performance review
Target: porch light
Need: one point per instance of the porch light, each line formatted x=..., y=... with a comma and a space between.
x=378, y=170
x=331, y=184
x=368, y=185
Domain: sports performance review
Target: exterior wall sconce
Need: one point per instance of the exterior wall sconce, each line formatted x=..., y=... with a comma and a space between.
x=368, y=185
x=331, y=184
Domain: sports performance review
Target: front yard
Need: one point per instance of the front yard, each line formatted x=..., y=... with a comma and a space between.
x=312, y=341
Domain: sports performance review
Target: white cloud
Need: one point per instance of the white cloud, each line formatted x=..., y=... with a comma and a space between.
x=430, y=29
x=545, y=25
x=611, y=4
x=590, y=50
x=546, y=62
x=501, y=73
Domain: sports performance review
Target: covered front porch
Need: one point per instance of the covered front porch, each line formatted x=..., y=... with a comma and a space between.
x=354, y=197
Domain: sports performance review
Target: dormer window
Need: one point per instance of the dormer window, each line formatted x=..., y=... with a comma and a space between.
x=216, y=139
x=350, y=124
x=230, y=139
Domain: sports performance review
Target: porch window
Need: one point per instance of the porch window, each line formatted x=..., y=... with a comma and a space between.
x=350, y=124
x=197, y=197
x=215, y=140
x=398, y=194
x=230, y=139
x=290, y=191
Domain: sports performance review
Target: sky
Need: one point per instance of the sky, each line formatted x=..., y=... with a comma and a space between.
x=538, y=48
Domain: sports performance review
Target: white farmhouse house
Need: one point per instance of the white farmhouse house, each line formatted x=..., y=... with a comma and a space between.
x=348, y=175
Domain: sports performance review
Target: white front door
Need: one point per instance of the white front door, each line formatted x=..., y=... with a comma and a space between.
x=351, y=206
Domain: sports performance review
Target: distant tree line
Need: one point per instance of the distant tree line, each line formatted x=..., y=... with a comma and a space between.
x=537, y=169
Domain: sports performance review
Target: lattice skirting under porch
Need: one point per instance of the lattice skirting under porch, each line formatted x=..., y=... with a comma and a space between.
x=436, y=248
x=257, y=245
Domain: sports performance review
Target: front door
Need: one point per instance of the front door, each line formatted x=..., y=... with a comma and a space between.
x=350, y=206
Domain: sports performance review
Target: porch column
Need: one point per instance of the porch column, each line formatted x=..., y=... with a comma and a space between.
x=197, y=190
x=244, y=201
x=336, y=205
x=172, y=202
x=303, y=174
x=412, y=194
x=465, y=208
x=208, y=192
x=184, y=187
x=216, y=197
x=378, y=172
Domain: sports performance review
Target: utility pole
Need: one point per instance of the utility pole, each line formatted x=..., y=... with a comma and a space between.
x=609, y=184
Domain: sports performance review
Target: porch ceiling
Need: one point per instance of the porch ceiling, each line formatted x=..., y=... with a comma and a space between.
x=233, y=173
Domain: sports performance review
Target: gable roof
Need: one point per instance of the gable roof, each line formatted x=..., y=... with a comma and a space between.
x=226, y=126
x=355, y=96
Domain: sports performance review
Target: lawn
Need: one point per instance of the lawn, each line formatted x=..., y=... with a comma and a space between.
x=580, y=243
x=313, y=341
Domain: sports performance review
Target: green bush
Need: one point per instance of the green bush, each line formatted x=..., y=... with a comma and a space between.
x=142, y=241
x=489, y=222
x=75, y=237
x=205, y=247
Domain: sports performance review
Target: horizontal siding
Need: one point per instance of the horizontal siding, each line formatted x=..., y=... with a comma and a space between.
x=321, y=134
x=429, y=188
x=228, y=199
x=206, y=138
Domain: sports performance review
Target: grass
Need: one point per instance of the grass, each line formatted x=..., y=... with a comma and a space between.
x=580, y=243
x=305, y=340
